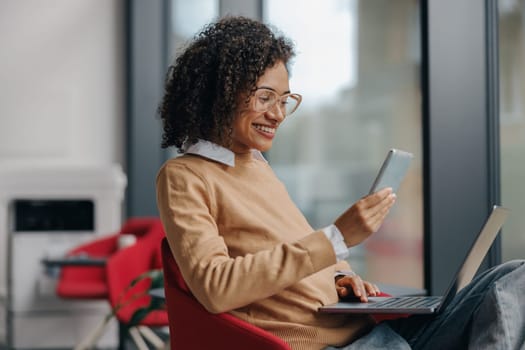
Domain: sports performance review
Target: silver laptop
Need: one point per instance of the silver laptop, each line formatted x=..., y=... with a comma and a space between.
x=431, y=304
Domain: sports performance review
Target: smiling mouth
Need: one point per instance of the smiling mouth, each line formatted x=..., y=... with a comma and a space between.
x=264, y=128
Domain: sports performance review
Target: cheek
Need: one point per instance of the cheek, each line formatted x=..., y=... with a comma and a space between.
x=243, y=123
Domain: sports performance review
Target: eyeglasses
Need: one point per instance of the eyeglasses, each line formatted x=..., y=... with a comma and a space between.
x=265, y=100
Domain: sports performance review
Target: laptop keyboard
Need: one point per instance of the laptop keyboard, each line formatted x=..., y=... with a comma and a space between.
x=408, y=302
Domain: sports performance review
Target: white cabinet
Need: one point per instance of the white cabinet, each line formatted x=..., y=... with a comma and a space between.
x=37, y=209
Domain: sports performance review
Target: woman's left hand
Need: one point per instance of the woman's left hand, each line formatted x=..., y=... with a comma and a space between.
x=353, y=286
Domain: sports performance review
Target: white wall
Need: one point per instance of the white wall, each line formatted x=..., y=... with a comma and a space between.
x=61, y=81
x=61, y=91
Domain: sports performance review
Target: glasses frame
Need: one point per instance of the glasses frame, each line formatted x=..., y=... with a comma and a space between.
x=279, y=99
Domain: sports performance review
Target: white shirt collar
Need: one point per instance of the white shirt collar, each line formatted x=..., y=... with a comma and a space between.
x=218, y=153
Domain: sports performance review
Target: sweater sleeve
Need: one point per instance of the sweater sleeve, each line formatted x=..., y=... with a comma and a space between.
x=222, y=283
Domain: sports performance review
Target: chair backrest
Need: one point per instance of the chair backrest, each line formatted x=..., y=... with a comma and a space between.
x=125, y=266
x=139, y=226
x=89, y=282
x=193, y=327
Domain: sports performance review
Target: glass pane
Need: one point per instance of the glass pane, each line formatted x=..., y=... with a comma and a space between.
x=512, y=123
x=358, y=68
x=187, y=19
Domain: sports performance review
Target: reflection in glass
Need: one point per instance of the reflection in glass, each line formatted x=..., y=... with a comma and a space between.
x=188, y=18
x=358, y=69
x=512, y=123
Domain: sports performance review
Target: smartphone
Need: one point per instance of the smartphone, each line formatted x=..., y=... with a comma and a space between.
x=392, y=171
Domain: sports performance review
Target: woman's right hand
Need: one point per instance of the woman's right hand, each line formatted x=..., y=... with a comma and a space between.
x=365, y=216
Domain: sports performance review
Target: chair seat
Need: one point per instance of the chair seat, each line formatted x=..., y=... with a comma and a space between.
x=189, y=320
x=155, y=318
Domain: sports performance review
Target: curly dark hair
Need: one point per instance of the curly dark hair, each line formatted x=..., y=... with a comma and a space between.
x=204, y=85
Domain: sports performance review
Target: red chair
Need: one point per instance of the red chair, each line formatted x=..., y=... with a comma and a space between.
x=192, y=327
x=89, y=282
x=130, y=275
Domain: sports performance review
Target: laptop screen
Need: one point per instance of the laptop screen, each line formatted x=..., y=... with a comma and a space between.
x=477, y=252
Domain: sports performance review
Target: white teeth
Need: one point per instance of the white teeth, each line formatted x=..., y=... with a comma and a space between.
x=264, y=128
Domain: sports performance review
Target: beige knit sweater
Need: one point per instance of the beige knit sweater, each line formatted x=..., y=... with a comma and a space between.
x=243, y=247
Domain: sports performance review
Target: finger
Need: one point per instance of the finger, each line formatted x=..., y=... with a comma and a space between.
x=359, y=289
x=341, y=287
x=386, y=202
x=377, y=197
x=373, y=223
x=342, y=291
x=345, y=282
x=377, y=218
x=352, y=284
x=368, y=213
x=371, y=289
x=376, y=222
x=378, y=291
x=370, y=216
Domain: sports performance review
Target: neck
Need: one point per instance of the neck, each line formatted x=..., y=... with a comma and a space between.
x=239, y=149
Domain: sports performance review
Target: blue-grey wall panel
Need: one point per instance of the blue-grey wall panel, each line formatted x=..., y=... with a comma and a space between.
x=146, y=70
x=459, y=172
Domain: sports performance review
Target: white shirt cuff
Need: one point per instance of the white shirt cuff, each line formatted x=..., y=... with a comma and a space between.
x=344, y=273
x=337, y=240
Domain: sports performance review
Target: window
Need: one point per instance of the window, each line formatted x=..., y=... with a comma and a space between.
x=512, y=123
x=187, y=18
x=358, y=69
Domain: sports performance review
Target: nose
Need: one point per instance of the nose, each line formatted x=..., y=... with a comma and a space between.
x=276, y=113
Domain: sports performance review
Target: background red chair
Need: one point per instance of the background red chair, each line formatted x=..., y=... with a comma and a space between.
x=77, y=281
x=131, y=273
x=192, y=327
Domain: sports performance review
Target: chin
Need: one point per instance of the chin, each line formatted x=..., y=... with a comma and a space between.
x=264, y=148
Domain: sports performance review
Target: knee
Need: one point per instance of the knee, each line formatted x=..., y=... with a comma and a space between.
x=510, y=266
x=514, y=264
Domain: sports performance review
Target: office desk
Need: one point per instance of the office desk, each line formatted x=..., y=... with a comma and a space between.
x=73, y=261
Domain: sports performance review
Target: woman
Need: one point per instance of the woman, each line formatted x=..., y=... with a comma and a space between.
x=241, y=244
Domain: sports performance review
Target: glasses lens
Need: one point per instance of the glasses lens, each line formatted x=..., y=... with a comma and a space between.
x=291, y=102
x=266, y=100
